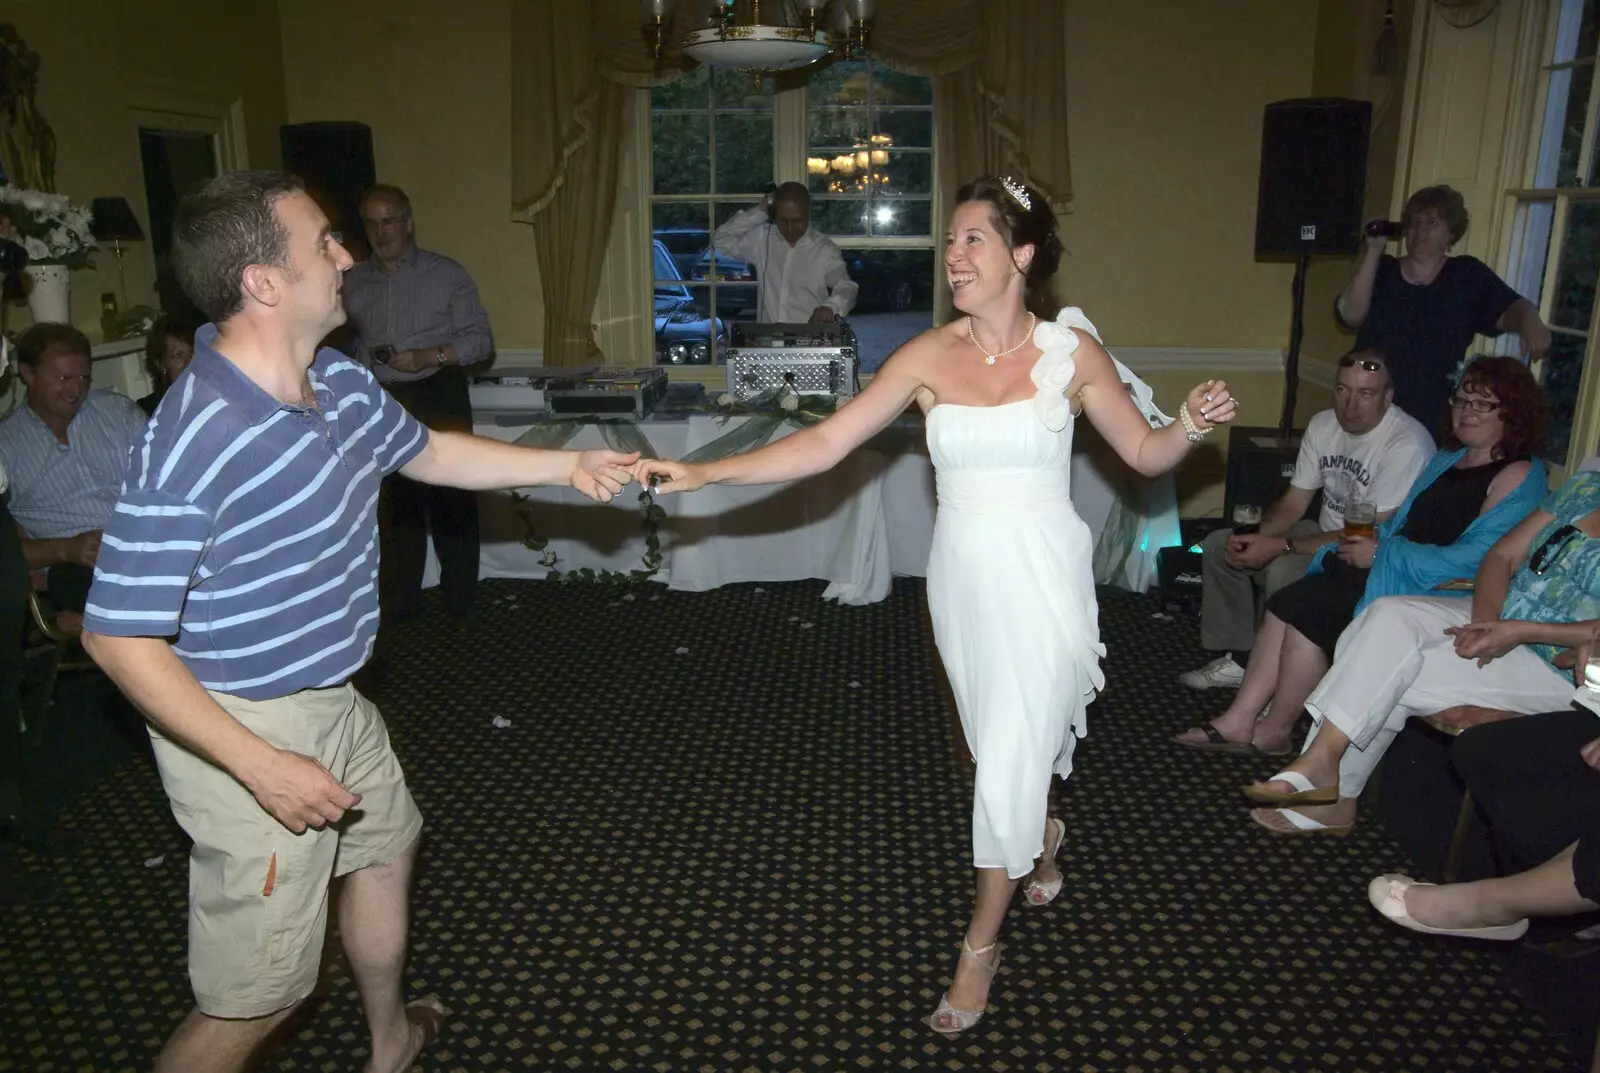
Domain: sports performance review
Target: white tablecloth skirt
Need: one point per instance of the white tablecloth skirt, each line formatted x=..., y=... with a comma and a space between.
x=856, y=526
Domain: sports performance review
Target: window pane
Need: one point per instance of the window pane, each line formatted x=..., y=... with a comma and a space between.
x=686, y=334
x=687, y=92
x=680, y=153
x=905, y=173
x=839, y=128
x=841, y=83
x=1563, y=368
x=738, y=89
x=1561, y=138
x=1575, y=276
x=1575, y=31
x=895, y=301
x=902, y=217
x=681, y=228
x=838, y=217
x=892, y=87
x=907, y=128
x=1530, y=246
x=744, y=152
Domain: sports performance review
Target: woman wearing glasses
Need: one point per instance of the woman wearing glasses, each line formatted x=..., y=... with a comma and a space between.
x=1469, y=495
x=1538, y=591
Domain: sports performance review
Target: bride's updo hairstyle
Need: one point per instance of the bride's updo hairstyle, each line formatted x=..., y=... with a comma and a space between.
x=1023, y=217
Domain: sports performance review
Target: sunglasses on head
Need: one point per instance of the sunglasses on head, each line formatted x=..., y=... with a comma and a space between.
x=1362, y=363
x=1552, y=549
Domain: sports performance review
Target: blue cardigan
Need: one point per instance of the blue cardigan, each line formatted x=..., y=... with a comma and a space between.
x=1402, y=568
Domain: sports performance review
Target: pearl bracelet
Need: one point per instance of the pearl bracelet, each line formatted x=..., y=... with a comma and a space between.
x=1193, y=431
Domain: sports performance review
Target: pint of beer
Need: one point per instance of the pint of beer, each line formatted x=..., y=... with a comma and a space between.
x=1360, y=519
x=1246, y=518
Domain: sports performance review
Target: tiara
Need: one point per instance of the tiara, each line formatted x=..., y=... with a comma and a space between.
x=1018, y=192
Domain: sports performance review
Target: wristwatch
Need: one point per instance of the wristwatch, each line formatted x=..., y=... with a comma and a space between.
x=1288, y=546
x=439, y=353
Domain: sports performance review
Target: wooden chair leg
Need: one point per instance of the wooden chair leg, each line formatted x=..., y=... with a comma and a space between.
x=1458, y=841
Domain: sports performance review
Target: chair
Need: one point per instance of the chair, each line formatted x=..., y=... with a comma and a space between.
x=54, y=635
x=1451, y=722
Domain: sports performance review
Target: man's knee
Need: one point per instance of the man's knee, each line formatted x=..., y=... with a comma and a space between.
x=1283, y=571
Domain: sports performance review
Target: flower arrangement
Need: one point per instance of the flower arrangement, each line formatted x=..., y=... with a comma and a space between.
x=780, y=403
x=51, y=229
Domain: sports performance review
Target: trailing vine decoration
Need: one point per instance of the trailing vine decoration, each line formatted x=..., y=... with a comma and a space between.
x=649, y=566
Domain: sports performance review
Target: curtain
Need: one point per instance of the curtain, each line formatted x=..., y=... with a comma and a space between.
x=999, y=84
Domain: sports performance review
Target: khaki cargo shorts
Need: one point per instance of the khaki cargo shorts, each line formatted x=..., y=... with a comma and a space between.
x=258, y=893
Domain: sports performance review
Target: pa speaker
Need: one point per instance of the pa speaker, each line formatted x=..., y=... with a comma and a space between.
x=335, y=162
x=1313, y=177
x=1260, y=463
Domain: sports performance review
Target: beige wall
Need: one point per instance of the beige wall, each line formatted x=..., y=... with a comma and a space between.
x=433, y=80
x=101, y=59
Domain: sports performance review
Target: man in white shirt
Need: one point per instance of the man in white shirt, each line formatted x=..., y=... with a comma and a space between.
x=800, y=275
x=1364, y=450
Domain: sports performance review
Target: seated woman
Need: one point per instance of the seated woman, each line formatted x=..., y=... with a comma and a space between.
x=1538, y=590
x=168, y=346
x=1468, y=496
x=1537, y=779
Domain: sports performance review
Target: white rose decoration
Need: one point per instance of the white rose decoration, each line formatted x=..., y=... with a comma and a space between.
x=37, y=251
x=790, y=402
x=32, y=200
x=724, y=399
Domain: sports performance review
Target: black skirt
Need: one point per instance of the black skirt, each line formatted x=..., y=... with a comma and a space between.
x=1321, y=605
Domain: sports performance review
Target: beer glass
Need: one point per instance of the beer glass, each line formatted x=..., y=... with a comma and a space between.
x=1360, y=519
x=1246, y=518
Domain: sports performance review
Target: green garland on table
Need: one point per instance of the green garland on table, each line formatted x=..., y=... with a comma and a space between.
x=767, y=412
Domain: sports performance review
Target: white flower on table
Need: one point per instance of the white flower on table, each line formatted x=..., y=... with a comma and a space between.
x=37, y=250
x=724, y=399
x=790, y=401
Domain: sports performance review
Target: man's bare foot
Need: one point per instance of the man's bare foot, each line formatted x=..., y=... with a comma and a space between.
x=424, y=1018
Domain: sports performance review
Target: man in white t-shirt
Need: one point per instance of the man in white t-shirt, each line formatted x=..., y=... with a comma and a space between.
x=1364, y=450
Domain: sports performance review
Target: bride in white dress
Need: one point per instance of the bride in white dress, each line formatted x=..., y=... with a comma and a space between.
x=1009, y=578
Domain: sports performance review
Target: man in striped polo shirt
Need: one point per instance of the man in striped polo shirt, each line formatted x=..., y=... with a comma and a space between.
x=235, y=595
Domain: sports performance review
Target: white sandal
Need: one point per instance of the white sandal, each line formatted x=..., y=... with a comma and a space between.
x=1039, y=894
x=964, y=1019
x=1304, y=792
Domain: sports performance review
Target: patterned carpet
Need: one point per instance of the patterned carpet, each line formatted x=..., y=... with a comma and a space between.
x=727, y=831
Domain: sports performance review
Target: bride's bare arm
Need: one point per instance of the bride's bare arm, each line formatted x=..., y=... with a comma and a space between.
x=810, y=450
x=1106, y=403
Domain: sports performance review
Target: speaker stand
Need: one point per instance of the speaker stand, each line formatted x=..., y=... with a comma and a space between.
x=1291, y=364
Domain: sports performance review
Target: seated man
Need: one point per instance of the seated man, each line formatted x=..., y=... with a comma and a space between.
x=1363, y=450
x=800, y=275
x=66, y=452
x=1537, y=591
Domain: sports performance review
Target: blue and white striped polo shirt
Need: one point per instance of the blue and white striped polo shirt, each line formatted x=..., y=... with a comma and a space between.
x=247, y=527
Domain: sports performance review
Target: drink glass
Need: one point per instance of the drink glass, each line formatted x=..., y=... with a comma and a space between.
x=1246, y=518
x=1360, y=519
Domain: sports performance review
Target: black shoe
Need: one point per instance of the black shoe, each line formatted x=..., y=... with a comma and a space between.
x=38, y=840
x=19, y=886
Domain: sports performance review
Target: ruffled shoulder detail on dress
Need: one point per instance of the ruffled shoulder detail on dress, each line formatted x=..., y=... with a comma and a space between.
x=1054, y=370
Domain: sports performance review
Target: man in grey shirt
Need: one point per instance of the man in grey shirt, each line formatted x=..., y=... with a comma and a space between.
x=418, y=323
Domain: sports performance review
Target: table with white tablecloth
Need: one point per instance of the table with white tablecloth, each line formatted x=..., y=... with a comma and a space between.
x=856, y=526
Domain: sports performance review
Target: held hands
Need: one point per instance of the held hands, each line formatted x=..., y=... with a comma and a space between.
x=299, y=792
x=674, y=476
x=601, y=475
x=414, y=361
x=1210, y=404
x=1358, y=551
x=1486, y=641
x=84, y=548
x=1252, y=551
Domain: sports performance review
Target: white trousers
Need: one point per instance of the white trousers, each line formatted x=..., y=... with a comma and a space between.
x=1395, y=662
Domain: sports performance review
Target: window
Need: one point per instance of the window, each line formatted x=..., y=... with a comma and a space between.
x=870, y=169
x=1555, y=237
x=862, y=137
x=711, y=137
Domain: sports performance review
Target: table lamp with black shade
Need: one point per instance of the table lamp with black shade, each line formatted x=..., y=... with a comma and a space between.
x=112, y=221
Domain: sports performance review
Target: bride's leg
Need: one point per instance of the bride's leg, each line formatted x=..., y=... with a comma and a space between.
x=969, y=990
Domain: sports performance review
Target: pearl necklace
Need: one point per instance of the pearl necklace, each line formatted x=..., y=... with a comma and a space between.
x=990, y=359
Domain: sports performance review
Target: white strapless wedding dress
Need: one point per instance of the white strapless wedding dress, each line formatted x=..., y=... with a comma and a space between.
x=1011, y=592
